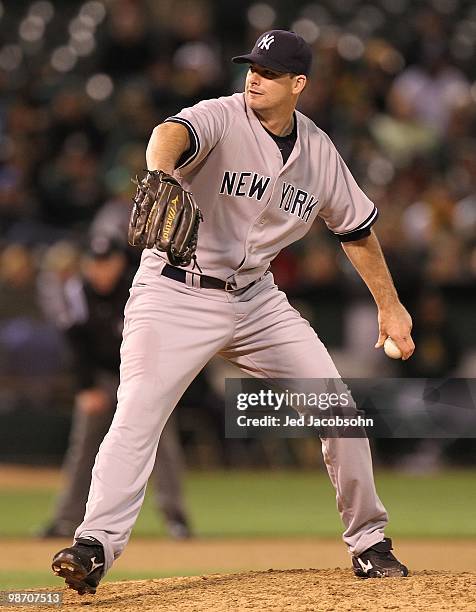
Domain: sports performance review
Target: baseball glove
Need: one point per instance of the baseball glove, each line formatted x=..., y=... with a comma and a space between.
x=165, y=216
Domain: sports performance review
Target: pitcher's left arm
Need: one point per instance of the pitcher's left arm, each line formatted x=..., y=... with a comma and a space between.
x=393, y=319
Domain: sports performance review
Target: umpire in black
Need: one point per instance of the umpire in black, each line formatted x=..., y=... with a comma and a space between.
x=92, y=307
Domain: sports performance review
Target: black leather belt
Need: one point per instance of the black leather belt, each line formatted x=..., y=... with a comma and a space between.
x=206, y=282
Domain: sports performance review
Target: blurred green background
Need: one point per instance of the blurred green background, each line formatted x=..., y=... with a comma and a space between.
x=239, y=504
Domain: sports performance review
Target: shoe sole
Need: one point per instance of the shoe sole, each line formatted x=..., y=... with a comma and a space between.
x=392, y=573
x=66, y=566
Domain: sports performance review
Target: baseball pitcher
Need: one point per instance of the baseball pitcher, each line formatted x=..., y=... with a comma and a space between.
x=260, y=173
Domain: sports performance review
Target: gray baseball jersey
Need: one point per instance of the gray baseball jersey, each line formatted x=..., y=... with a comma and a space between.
x=253, y=206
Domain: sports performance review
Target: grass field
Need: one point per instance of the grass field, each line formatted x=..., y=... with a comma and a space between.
x=239, y=504
x=263, y=504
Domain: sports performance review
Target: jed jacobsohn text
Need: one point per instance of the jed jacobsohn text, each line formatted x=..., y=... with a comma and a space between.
x=303, y=421
x=276, y=400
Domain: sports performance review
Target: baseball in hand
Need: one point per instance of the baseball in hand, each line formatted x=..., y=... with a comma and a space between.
x=391, y=349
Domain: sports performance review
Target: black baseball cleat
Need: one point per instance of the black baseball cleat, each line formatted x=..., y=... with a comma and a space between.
x=378, y=562
x=81, y=565
x=177, y=526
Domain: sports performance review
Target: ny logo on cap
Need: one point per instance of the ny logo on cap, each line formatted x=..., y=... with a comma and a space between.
x=266, y=42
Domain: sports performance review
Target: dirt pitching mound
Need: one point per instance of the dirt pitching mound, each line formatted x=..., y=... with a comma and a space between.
x=287, y=590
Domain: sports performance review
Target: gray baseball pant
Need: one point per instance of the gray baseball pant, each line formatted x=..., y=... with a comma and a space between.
x=87, y=433
x=171, y=331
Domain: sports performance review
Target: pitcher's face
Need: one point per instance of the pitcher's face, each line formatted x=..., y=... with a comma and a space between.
x=266, y=89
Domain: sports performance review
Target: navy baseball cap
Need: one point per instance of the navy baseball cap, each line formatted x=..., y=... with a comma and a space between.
x=102, y=247
x=280, y=50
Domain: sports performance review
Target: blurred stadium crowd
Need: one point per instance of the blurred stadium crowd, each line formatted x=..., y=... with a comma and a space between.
x=394, y=85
